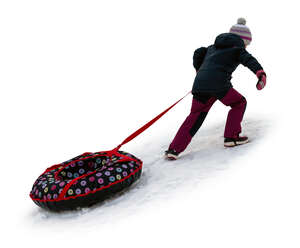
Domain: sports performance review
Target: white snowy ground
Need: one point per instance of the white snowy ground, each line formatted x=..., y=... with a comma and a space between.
x=240, y=197
x=80, y=76
x=162, y=180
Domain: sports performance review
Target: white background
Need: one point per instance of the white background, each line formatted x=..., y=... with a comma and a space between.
x=80, y=76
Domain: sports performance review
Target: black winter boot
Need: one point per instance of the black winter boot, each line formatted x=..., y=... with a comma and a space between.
x=171, y=154
x=231, y=142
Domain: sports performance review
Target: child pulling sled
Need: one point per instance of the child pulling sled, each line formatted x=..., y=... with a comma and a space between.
x=214, y=66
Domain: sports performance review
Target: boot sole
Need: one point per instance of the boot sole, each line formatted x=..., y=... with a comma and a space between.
x=171, y=157
x=237, y=143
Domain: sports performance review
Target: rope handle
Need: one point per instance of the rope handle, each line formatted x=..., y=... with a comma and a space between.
x=147, y=125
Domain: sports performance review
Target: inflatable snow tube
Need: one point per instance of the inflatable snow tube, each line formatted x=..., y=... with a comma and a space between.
x=85, y=180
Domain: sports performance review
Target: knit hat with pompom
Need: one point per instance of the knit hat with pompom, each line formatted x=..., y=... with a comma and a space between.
x=242, y=30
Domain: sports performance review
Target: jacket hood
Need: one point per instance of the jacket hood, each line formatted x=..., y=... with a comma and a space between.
x=228, y=40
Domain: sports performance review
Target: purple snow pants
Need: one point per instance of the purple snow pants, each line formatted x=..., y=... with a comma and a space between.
x=200, y=107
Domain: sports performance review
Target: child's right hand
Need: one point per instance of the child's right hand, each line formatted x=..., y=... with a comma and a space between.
x=262, y=79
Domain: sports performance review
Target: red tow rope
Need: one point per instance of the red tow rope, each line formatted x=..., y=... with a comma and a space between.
x=147, y=125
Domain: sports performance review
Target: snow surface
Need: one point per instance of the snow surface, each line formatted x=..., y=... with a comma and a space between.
x=79, y=76
x=162, y=179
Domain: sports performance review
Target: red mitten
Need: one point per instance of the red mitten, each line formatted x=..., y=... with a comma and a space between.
x=262, y=79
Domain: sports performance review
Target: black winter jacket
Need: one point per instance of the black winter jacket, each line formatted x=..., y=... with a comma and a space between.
x=216, y=63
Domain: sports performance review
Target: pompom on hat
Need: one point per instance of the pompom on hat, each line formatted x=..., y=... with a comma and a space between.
x=242, y=30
